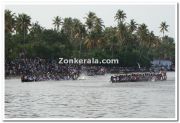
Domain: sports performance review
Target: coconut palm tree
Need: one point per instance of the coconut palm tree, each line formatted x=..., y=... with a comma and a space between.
x=132, y=26
x=67, y=27
x=9, y=21
x=57, y=21
x=76, y=28
x=78, y=33
x=9, y=29
x=23, y=23
x=90, y=25
x=147, y=42
x=98, y=26
x=35, y=27
x=88, y=42
x=111, y=39
x=142, y=33
x=35, y=31
x=94, y=37
x=120, y=16
x=121, y=32
x=151, y=39
x=81, y=34
x=98, y=30
x=90, y=20
x=163, y=27
x=121, y=27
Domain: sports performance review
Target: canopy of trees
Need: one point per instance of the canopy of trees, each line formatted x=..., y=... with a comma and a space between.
x=130, y=42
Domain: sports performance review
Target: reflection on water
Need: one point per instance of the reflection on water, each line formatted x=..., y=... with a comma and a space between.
x=95, y=97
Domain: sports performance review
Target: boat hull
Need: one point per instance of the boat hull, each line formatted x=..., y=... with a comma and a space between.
x=27, y=80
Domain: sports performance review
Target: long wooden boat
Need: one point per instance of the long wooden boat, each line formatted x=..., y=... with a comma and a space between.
x=137, y=77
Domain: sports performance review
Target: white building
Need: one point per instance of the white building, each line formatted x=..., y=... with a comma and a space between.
x=161, y=63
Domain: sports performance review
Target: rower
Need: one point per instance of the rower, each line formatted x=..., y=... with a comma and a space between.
x=164, y=75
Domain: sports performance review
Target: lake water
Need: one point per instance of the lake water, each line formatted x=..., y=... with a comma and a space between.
x=94, y=97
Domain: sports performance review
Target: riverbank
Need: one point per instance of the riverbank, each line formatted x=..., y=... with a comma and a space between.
x=12, y=77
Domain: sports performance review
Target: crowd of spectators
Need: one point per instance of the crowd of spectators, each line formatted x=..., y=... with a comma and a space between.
x=37, y=66
x=43, y=69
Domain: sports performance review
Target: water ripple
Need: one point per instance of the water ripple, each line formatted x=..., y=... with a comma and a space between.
x=92, y=98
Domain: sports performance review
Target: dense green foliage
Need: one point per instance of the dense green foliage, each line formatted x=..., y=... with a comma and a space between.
x=131, y=43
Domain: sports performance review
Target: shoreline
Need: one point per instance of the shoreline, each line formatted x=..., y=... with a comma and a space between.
x=19, y=77
x=12, y=77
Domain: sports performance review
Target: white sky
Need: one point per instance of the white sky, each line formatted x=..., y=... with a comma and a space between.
x=151, y=15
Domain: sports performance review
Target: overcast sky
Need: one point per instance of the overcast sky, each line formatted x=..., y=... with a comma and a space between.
x=152, y=15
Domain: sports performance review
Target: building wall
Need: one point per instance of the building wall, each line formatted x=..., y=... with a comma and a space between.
x=164, y=63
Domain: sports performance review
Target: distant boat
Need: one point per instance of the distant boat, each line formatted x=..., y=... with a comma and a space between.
x=26, y=80
x=138, y=77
